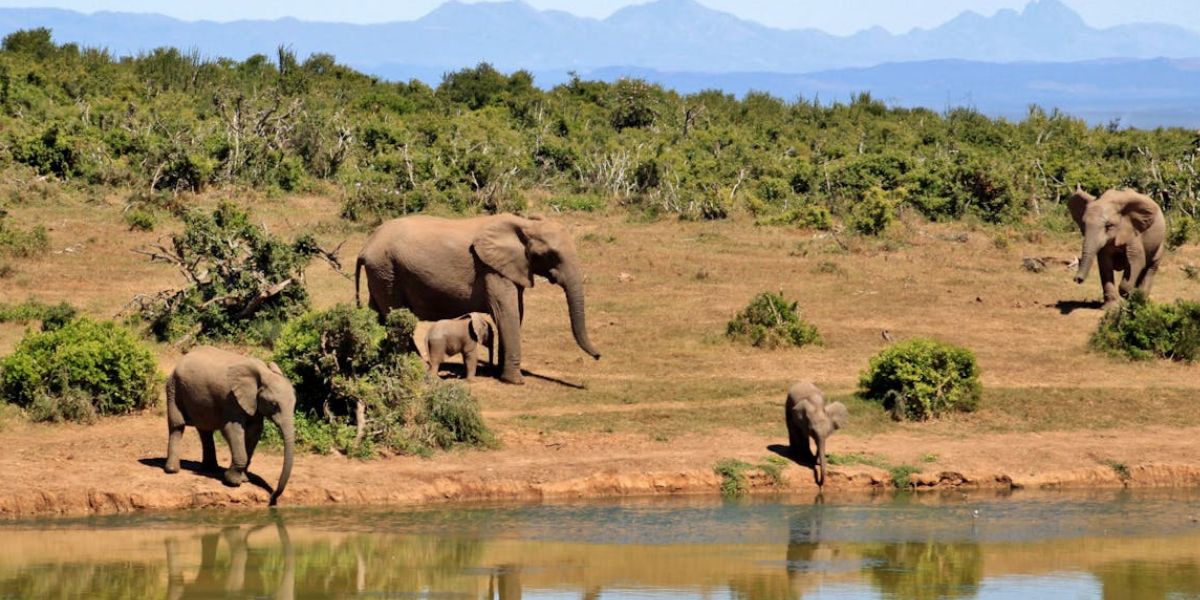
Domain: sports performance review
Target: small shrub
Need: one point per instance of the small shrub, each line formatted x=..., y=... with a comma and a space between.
x=875, y=212
x=922, y=379
x=1191, y=272
x=21, y=243
x=140, y=220
x=1120, y=468
x=1183, y=229
x=577, y=202
x=902, y=474
x=770, y=321
x=100, y=360
x=809, y=216
x=1140, y=329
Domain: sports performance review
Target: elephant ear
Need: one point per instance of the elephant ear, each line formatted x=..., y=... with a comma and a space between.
x=476, y=327
x=244, y=381
x=1141, y=210
x=501, y=246
x=838, y=414
x=275, y=368
x=1077, y=204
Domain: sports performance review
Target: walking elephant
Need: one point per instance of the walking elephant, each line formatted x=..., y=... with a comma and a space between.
x=443, y=268
x=216, y=390
x=1122, y=231
x=809, y=416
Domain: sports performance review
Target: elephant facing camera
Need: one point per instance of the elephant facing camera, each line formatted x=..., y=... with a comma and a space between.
x=808, y=416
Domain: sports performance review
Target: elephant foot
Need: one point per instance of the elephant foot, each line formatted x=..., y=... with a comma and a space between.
x=171, y=467
x=234, y=477
x=514, y=378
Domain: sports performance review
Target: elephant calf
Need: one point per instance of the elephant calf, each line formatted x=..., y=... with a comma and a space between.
x=213, y=389
x=808, y=416
x=464, y=335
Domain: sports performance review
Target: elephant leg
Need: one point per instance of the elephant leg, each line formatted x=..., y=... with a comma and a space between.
x=1107, y=283
x=254, y=431
x=175, y=427
x=471, y=361
x=505, y=308
x=235, y=434
x=437, y=355
x=209, y=451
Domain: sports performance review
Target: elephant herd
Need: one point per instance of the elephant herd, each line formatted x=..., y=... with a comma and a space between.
x=456, y=271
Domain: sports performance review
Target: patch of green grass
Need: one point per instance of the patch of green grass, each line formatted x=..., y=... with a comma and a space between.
x=900, y=474
x=929, y=457
x=735, y=481
x=576, y=203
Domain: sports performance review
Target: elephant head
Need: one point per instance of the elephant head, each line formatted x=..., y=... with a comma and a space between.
x=518, y=249
x=480, y=329
x=1117, y=217
x=824, y=419
x=264, y=390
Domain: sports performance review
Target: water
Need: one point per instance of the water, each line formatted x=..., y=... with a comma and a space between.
x=1049, y=545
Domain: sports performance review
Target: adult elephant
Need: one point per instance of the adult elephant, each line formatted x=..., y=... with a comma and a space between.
x=446, y=268
x=1122, y=231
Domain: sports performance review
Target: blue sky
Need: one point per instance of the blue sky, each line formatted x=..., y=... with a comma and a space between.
x=842, y=16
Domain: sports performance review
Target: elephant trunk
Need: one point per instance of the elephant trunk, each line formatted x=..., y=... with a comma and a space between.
x=1091, y=245
x=821, y=462
x=572, y=284
x=288, y=431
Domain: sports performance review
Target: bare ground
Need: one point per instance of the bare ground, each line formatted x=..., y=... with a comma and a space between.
x=671, y=396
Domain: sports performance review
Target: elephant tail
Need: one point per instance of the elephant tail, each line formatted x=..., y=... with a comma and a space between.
x=358, y=266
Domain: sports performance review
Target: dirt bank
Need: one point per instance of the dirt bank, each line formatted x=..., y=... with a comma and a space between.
x=115, y=466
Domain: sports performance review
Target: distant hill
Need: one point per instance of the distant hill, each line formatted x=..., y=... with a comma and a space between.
x=665, y=35
x=1045, y=54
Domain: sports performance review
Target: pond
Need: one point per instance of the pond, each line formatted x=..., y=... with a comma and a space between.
x=1115, y=544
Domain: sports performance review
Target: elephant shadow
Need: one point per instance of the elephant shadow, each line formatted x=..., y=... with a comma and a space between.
x=805, y=460
x=197, y=468
x=1067, y=307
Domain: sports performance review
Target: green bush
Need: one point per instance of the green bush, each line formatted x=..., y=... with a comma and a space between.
x=343, y=358
x=875, y=212
x=52, y=316
x=1140, y=329
x=922, y=379
x=770, y=321
x=100, y=360
x=240, y=278
x=1183, y=229
x=140, y=220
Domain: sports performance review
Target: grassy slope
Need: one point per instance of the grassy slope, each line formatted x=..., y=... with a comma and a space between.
x=668, y=371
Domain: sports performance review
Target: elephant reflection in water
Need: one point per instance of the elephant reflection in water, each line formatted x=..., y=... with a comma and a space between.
x=218, y=577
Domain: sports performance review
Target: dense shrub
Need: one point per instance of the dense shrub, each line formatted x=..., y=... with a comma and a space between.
x=770, y=321
x=922, y=379
x=347, y=366
x=875, y=212
x=240, y=278
x=1140, y=329
x=52, y=372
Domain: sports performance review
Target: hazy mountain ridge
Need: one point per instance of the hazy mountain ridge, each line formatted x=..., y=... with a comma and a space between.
x=665, y=35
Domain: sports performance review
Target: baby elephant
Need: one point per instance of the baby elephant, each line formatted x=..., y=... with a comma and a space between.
x=808, y=416
x=216, y=390
x=464, y=336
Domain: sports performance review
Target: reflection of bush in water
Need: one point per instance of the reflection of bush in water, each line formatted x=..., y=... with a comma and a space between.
x=114, y=580
x=1137, y=579
x=925, y=570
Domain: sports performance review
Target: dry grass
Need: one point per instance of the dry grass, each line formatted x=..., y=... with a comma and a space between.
x=667, y=369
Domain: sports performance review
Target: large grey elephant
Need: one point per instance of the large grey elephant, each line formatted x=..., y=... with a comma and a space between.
x=809, y=416
x=1122, y=231
x=217, y=390
x=444, y=268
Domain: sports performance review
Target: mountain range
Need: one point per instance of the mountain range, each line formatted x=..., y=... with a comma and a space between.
x=1144, y=74
x=665, y=35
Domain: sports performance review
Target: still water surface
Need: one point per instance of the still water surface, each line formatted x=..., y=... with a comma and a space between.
x=1099, y=545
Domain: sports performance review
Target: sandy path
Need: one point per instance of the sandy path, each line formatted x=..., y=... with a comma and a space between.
x=115, y=466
